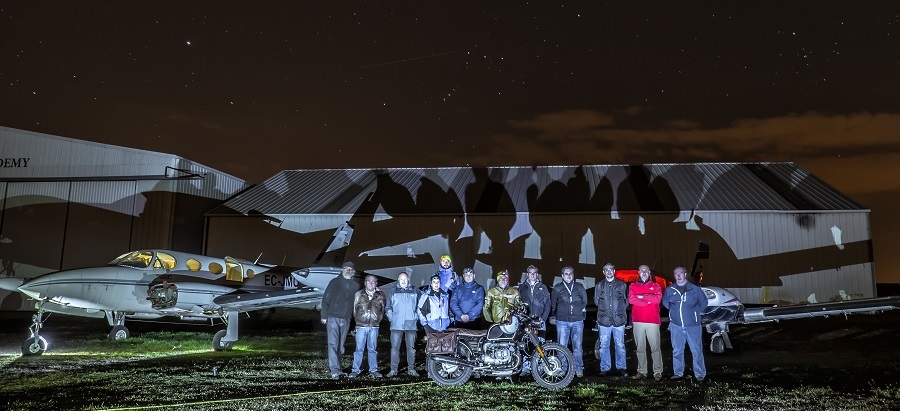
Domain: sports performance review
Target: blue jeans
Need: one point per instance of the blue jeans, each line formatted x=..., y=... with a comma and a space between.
x=574, y=330
x=694, y=337
x=618, y=334
x=366, y=339
x=336, y=329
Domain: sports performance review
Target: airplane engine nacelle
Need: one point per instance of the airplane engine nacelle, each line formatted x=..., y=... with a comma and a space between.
x=163, y=295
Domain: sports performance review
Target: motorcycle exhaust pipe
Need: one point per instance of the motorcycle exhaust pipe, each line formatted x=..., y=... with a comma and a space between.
x=452, y=360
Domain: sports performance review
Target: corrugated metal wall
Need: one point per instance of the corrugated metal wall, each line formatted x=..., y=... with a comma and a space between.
x=750, y=252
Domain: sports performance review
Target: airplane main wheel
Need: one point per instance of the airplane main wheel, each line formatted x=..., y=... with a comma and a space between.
x=220, y=345
x=118, y=332
x=34, y=346
x=717, y=344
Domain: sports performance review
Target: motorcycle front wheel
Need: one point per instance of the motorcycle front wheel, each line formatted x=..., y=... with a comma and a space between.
x=556, y=369
x=445, y=374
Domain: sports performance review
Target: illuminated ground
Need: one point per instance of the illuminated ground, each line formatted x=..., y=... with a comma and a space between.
x=814, y=363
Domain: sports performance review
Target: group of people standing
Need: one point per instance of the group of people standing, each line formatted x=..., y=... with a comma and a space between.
x=685, y=302
x=462, y=302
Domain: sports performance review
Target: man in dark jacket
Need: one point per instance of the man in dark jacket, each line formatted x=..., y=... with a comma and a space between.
x=567, y=305
x=467, y=301
x=368, y=310
x=611, y=297
x=337, y=307
x=686, y=303
x=401, y=311
x=536, y=295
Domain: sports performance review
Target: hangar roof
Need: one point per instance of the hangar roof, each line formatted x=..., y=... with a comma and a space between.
x=547, y=189
x=29, y=156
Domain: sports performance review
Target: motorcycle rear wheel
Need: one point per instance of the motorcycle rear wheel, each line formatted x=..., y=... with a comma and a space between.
x=448, y=375
x=556, y=369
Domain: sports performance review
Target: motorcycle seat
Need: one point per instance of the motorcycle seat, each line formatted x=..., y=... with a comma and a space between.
x=468, y=333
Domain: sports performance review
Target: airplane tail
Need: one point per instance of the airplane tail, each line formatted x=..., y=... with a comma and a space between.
x=334, y=252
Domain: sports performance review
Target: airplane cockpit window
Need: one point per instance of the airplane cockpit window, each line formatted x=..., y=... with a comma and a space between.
x=164, y=260
x=134, y=259
x=234, y=271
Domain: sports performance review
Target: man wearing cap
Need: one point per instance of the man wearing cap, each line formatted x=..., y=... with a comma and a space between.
x=467, y=302
x=568, y=304
x=337, y=307
x=449, y=280
x=686, y=303
x=499, y=298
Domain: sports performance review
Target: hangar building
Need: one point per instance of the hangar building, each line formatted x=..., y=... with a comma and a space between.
x=775, y=232
x=69, y=203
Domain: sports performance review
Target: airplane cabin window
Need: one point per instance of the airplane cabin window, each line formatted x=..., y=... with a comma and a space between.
x=192, y=264
x=215, y=268
x=710, y=294
x=250, y=273
x=166, y=259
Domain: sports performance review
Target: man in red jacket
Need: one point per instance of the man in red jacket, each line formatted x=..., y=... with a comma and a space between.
x=645, y=295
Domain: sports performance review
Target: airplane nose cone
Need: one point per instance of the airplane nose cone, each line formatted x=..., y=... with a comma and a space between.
x=32, y=289
x=11, y=283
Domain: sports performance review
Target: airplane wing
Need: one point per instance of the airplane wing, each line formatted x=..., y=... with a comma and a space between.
x=756, y=315
x=264, y=300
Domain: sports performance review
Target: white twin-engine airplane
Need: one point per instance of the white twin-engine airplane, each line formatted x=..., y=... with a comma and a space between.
x=151, y=284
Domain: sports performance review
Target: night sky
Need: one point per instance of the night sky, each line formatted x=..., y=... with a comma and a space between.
x=252, y=88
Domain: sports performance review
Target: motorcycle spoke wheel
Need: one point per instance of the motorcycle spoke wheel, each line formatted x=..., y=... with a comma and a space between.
x=448, y=374
x=556, y=369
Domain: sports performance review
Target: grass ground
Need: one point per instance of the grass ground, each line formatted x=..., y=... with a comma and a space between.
x=802, y=364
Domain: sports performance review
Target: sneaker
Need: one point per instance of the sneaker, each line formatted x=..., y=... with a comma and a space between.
x=375, y=374
x=579, y=374
x=638, y=376
x=412, y=373
x=335, y=376
x=603, y=373
x=701, y=379
x=676, y=377
x=353, y=375
x=392, y=373
x=657, y=377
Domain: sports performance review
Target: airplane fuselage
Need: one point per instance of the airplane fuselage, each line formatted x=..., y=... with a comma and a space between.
x=124, y=285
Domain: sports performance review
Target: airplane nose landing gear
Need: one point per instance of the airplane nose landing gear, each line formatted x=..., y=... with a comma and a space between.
x=35, y=345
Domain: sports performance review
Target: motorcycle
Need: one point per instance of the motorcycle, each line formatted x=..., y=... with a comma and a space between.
x=503, y=350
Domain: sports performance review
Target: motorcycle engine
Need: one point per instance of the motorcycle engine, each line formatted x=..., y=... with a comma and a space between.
x=498, y=353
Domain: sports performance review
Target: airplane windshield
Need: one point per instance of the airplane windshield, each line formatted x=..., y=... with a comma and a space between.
x=134, y=259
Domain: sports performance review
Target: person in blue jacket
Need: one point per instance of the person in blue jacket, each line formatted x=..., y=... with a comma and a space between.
x=467, y=301
x=686, y=302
